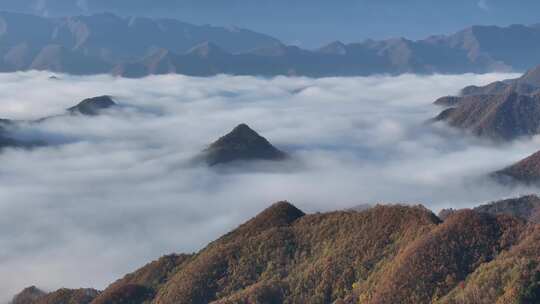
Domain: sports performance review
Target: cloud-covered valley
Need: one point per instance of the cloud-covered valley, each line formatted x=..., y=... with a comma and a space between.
x=115, y=191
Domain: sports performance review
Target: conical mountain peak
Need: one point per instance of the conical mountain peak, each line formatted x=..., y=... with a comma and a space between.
x=240, y=132
x=241, y=144
x=279, y=214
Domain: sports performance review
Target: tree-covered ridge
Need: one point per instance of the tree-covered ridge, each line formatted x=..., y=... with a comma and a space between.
x=385, y=254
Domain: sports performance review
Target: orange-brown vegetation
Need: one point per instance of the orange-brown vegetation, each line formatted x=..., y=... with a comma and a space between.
x=526, y=207
x=28, y=296
x=512, y=278
x=444, y=257
x=506, y=116
x=69, y=296
x=526, y=171
x=142, y=284
x=283, y=253
x=386, y=254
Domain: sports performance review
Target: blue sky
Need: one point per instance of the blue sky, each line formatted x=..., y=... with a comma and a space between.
x=311, y=23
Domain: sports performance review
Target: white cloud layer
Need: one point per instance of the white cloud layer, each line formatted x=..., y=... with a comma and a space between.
x=118, y=191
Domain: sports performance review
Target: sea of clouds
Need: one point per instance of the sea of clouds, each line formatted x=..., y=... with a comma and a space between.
x=113, y=192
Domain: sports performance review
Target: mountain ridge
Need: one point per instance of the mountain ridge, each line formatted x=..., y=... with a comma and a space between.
x=375, y=256
x=525, y=171
x=89, y=45
x=501, y=111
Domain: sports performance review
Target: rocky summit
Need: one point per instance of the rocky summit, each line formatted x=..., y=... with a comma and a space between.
x=93, y=106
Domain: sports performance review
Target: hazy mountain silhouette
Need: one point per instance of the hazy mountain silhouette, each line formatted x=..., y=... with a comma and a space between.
x=97, y=43
x=310, y=22
x=135, y=47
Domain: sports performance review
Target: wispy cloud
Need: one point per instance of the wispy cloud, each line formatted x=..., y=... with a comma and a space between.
x=40, y=7
x=119, y=192
x=483, y=5
x=83, y=5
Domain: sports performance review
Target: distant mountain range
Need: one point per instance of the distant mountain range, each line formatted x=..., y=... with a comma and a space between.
x=309, y=22
x=385, y=254
x=135, y=47
x=97, y=43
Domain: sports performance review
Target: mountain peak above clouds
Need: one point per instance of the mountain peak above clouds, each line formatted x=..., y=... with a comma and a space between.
x=499, y=117
x=502, y=110
x=526, y=171
x=93, y=106
x=241, y=144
